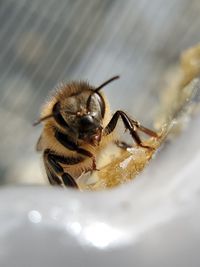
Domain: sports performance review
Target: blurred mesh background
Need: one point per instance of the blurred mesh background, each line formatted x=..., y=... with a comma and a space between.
x=44, y=42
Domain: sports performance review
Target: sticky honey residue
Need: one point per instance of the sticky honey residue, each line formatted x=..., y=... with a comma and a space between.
x=177, y=101
x=124, y=167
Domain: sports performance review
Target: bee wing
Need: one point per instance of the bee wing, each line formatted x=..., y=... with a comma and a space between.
x=39, y=144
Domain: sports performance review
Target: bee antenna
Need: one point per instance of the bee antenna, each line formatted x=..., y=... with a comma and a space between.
x=106, y=82
x=100, y=87
x=42, y=119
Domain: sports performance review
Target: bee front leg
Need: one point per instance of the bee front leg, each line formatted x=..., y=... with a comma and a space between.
x=90, y=155
x=54, y=169
x=130, y=125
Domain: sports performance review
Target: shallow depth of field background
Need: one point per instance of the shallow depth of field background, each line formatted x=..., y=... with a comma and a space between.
x=44, y=42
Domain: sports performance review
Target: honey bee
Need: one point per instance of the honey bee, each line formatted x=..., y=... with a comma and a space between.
x=77, y=125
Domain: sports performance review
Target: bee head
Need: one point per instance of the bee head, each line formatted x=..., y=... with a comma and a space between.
x=81, y=113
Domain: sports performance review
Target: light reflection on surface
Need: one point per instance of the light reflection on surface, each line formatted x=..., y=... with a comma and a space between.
x=75, y=228
x=100, y=234
x=35, y=216
x=56, y=213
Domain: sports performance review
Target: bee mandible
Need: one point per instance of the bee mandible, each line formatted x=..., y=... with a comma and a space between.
x=78, y=124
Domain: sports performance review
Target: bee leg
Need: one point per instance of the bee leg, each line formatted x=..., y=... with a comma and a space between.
x=68, y=180
x=122, y=144
x=128, y=123
x=144, y=129
x=90, y=155
x=53, y=178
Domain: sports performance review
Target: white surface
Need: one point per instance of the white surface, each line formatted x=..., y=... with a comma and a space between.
x=152, y=221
